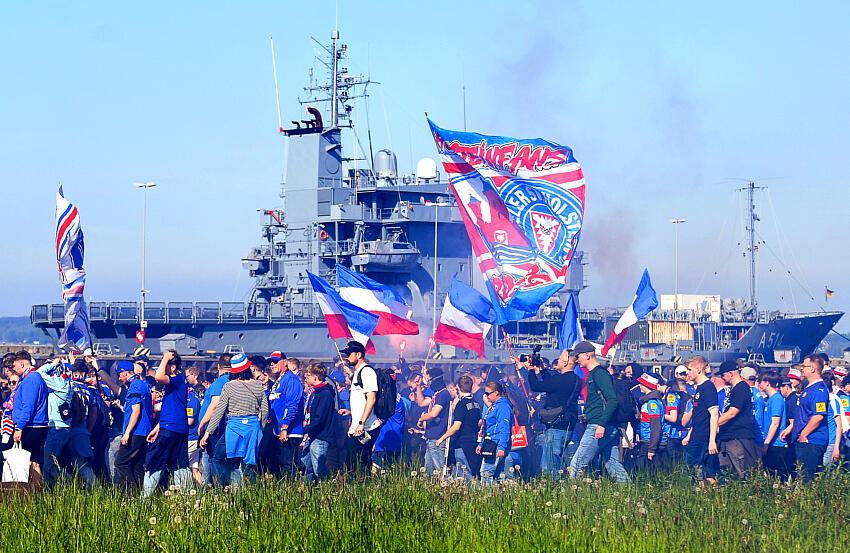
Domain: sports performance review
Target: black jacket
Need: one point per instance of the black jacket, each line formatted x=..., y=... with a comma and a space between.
x=561, y=391
x=321, y=412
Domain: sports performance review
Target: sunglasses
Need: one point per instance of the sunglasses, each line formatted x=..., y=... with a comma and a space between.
x=493, y=392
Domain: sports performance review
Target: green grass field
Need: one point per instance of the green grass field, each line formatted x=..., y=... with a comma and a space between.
x=404, y=511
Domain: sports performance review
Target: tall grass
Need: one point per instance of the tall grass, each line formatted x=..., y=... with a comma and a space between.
x=403, y=510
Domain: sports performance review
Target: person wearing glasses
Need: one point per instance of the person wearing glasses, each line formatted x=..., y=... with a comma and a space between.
x=811, y=428
x=494, y=442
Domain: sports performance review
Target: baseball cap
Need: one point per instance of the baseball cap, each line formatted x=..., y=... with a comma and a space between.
x=727, y=366
x=840, y=372
x=354, y=347
x=649, y=380
x=749, y=373
x=794, y=374
x=681, y=369
x=123, y=366
x=239, y=363
x=276, y=356
x=583, y=347
x=337, y=377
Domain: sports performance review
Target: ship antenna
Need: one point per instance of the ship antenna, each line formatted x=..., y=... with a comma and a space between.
x=334, y=77
x=276, y=93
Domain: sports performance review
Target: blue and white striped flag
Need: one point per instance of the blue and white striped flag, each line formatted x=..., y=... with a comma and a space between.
x=70, y=251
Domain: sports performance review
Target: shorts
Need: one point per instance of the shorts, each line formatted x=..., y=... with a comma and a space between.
x=169, y=451
x=32, y=439
x=194, y=454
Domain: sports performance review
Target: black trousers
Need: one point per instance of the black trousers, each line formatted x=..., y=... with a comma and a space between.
x=359, y=459
x=130, y=462
x=776, y=461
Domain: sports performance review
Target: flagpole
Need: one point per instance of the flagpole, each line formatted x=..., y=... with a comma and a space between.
x=507, y=341
x=427, y=356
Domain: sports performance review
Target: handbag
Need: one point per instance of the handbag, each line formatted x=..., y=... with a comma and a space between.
x=488, y=447
x=16, y=464
x=550, y=416
x=519, y=435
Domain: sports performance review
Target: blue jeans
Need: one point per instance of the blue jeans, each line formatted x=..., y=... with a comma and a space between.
x=79, y=447
x=435, y=457
x=462, y=466
x=554, y=445
x=315, y=457
x=492, y=467
x=607, y=446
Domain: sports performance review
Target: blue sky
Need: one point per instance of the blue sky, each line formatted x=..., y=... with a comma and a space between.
x=663, y=103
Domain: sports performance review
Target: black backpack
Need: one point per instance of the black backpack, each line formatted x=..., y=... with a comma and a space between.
x=80, y=402
x=627, y=408
x=386, y=397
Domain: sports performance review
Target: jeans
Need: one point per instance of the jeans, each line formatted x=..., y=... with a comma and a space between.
x=607, y=446
x=112, y=454
x=810, y=456
x=462, y=466
x=697, y=456
x=435, y=457
x=492, y=468
x=315, y=457
x=289, y=455
x=554, y=445
x=77, y=442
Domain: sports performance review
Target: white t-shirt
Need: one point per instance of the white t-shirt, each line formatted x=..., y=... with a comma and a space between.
x=368, y=378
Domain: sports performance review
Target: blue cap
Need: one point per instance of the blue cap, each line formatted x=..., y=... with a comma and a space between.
x=337, y=377
x=124, y=366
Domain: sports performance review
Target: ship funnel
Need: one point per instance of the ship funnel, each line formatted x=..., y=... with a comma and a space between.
x=426, y=168
x=385, y=165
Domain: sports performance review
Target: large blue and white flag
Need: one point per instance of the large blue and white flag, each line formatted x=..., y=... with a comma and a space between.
x=570, y=333
x=379, y=299
x=70, y=251
x=344, y=319
x=522, y=202
x=466, y=318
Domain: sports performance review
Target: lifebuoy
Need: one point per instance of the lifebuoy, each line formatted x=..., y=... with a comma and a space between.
x=323, y=235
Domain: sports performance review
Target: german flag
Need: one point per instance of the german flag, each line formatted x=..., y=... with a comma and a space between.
x=829, y=292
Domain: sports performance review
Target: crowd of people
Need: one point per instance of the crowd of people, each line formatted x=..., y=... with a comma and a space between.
x=144, y=427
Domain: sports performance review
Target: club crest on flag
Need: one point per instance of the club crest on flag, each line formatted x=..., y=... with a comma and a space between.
x=522, y=203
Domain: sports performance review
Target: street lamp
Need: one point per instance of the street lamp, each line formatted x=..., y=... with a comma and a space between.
x=144, y=185
x=676, y=223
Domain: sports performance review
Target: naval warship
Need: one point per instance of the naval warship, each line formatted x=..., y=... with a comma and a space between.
x=406, y=231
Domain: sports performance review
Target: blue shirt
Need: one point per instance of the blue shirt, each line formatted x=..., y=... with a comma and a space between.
x=286, y=404
x=775, y=408
x=671, y=403
x=193, y=407
x=139, y=393
x=813, y=401
x=29, y=408
x=172, y=416
x=389, y=439
x=59, y=396
x=213, y=391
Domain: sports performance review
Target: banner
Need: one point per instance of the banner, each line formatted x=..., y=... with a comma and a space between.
x=522, y=202
x=70, y=251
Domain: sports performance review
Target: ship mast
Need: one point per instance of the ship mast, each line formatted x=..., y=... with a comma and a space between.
x=752, y=244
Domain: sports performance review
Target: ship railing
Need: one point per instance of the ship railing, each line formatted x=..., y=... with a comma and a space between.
x=332, y=248
x=184, y=313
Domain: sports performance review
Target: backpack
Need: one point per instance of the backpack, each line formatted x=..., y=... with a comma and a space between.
x=79, y=405
x=627, y=409
x=386, y=397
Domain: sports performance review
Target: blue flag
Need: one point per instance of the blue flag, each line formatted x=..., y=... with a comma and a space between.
x=570, y=333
